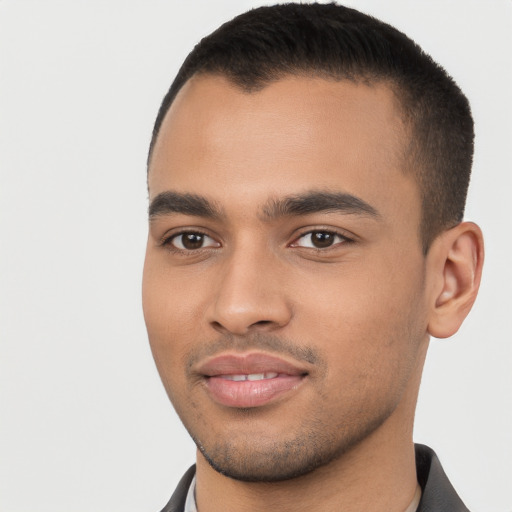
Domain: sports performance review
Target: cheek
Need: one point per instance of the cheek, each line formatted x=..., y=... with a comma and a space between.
x=368, y=322
x=171, y=300
x=169, y=317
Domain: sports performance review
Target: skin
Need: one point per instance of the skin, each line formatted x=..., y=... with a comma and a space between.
x=355, y=315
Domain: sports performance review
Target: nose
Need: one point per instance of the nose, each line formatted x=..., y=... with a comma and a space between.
x=249, y=295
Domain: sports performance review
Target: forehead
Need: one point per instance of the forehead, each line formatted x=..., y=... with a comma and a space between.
x=293, y=135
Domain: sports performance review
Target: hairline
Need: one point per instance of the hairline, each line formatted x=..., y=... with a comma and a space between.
x=359, y=78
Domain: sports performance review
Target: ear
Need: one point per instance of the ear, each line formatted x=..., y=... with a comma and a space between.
x=455, y=262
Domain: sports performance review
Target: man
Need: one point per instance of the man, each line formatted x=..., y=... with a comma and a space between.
x=307, y=178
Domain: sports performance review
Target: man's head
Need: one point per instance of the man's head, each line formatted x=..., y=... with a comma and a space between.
x=338, y=43
x=288, y=293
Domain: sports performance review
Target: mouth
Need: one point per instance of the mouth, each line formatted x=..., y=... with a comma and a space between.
x=249, y=380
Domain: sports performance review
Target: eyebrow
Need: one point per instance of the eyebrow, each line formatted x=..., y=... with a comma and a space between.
x=170, y=202
x=318, y=201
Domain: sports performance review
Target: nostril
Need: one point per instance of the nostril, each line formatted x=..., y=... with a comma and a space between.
x=262, y=323
x=217, y=326
x=239, y=316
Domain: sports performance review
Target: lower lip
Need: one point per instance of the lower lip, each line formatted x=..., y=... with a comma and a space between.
x=250, y=393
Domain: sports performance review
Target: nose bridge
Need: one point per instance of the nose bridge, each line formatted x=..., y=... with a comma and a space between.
x=248, y=293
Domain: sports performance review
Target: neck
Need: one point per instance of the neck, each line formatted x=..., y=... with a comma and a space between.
x=388, y=483
x=379, y=474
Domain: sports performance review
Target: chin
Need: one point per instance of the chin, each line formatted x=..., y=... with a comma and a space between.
x=265, y=459
x=273, y=466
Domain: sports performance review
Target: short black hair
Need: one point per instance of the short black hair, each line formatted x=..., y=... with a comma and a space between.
x=338, y=43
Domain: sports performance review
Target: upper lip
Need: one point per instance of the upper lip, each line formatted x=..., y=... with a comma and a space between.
x=246, y=364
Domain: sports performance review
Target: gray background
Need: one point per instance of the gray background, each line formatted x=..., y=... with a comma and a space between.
x=84, y=422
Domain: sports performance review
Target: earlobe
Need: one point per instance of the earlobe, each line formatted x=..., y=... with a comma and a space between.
x=456, y=263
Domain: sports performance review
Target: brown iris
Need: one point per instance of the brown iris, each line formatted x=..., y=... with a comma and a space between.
x=322, y=239
x=192, y=240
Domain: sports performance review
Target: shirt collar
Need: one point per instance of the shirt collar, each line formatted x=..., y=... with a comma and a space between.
x=190, y=503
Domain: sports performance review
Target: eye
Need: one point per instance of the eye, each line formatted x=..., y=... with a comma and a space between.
x=190, y=241
x=319, y=239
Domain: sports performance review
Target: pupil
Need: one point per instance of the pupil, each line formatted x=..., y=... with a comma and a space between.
x=192, y=240
x=322, y=239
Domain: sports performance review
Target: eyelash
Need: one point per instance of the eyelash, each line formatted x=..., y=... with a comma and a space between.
x=344, y=239
x=167, y=241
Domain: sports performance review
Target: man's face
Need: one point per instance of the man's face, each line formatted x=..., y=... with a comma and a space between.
x=284, y=283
